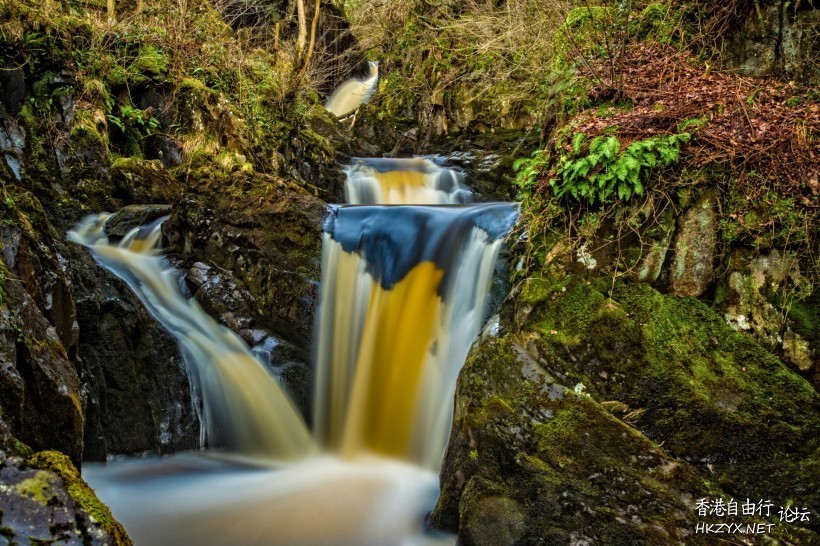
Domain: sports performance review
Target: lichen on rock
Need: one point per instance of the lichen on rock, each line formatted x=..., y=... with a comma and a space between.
x=44, y=500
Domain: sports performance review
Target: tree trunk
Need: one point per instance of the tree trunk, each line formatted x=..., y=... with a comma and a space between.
x=312, y=44
x=301, y=39
x=112, y=16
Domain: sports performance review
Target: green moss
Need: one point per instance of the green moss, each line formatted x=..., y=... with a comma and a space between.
x=581, y=34
x=82, y=494
x=21, y=449
x=805, y=317
x=192, y=84
x=85, y=132
x=151, y=61
x=565, y=461
x=537, y=289
x=575, y=306
x=709, y=393
x=39, y=487
x=659, y=22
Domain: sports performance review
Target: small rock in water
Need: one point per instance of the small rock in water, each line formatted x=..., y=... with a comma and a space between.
x=134, y=216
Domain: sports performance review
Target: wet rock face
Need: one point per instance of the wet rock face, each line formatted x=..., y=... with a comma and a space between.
x=227, y=299
x=37, y=508
x=268, y=233
x=531, y=461
x=133, y=216
x=137, y=396
x=80, y=356
x=692, y=268
x=12, y=143
x=39, y=387
x=40, y=267
x=12, y=87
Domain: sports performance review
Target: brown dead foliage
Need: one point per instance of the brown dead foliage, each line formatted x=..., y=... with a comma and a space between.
x=753, y=125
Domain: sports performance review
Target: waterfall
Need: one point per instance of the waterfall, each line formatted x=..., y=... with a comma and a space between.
x=416, y=181
x=402, y=298
x=242, y=405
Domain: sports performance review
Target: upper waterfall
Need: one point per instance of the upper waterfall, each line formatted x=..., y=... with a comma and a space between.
x=415, y=181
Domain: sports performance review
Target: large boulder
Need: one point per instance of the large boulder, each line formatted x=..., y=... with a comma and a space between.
x=136, y=390
x=531, y=461
x=709, y=394
x=559, y=423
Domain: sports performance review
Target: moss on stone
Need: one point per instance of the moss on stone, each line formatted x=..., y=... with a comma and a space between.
x=82, y=494
x=21, y=449
x=710, y=394
x=39, y=487
x=88, y=130
x=805, y=317
x=151, y=61
x=557, y=459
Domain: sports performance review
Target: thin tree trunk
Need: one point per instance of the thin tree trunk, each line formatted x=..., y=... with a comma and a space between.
x=112, y=16
x=312, y=43
x=301, y=39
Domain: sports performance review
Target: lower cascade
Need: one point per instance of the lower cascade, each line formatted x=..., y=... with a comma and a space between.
x=403, y=296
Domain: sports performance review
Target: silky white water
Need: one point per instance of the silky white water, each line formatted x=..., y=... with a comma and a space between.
x=404, y=181
x=194, y=499
x=242, y=405
x=402, y=297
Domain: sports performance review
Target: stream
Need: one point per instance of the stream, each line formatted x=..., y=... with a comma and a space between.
x=406, y=271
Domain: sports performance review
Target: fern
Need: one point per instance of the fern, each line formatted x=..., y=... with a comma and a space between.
x=527, y=170
x=606, y=171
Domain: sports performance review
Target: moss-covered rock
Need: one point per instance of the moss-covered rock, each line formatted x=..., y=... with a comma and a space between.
x=144, y=181
x=265, y=230
x=38, y=507
x=61, y=479
x=709, y=394
x=531, y=461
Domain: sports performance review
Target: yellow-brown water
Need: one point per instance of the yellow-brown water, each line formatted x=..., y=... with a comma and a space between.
x=414, y=181
x=402, y=297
